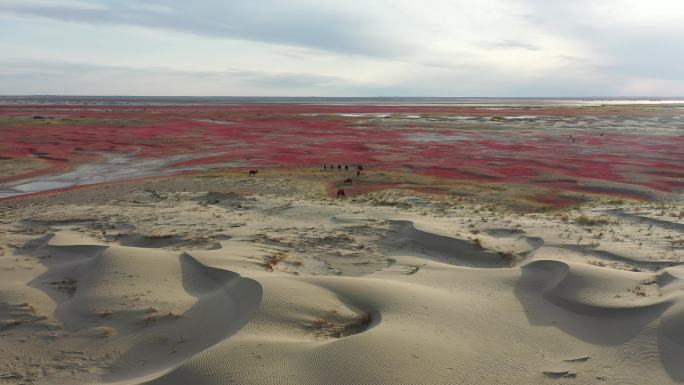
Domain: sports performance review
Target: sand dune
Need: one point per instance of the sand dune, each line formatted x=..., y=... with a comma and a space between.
x=144, y=311
x=231, y=288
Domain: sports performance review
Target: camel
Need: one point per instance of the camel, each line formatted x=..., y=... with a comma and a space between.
x=340, y=193
x=253, y=172
x=348, y=180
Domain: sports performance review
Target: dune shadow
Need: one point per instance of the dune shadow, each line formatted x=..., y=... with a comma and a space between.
x=454, y=251
x=65, y=265
x=607, y=255
x=679, y=227
x=30, y=247
x=671, y=343
x=170, y=241
x=225, y=303
x=540, y=291
x=367, y=316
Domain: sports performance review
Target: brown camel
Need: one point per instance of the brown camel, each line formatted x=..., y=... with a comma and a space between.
x=340, y=193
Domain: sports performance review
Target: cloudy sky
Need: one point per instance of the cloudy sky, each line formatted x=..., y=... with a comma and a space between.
x=343, y=47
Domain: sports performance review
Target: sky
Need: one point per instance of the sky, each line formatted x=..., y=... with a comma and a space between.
x=524, y=48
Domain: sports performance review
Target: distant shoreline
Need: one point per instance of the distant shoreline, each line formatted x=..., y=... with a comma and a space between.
x=378, y=101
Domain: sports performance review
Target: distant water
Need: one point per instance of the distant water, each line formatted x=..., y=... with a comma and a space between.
x=382, y=101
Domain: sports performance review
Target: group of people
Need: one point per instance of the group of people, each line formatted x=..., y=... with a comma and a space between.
x=359, y=168
x=340, y=192
x=339, y=167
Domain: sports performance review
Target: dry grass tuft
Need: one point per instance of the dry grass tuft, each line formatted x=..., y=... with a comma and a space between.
x=365, y=318
x=638, y=291
x=105, y=314
x=66, y=285
x=508, y=256
x=592, y=221
x=295, y=262
x=597, y=263
x=150, y=319
x=4, y=325
x=273, y=260
x=478, y=243
x=334, y=325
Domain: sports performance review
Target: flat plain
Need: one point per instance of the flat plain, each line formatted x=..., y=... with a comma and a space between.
x=474, y=245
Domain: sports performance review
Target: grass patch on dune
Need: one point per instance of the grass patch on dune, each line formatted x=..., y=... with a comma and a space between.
x=334, y=325
x=585, y=220
x=272, y=261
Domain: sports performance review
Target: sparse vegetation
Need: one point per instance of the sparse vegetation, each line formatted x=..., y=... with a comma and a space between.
x=6, y=324
x=508, y=255
x=272, y=261
x=597, y=263
x=592, y=221
x=638, y=291
x=334, y=324
x=150, y=319
x=156, y=194
x=104, y=314
x=66, y=285
x=478, y=243
x=295, y=262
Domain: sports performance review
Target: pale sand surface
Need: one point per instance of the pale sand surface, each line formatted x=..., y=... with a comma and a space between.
x=234, y=280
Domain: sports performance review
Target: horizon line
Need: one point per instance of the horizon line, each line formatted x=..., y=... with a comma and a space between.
x=638, y=97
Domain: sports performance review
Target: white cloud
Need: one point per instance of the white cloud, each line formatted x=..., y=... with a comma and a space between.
x=440, y=47
x=38, y=5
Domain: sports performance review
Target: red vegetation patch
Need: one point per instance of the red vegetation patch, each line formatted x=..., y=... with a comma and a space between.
x=310, y=136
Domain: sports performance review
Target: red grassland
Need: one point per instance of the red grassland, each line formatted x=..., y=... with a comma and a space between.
x=310, y=136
